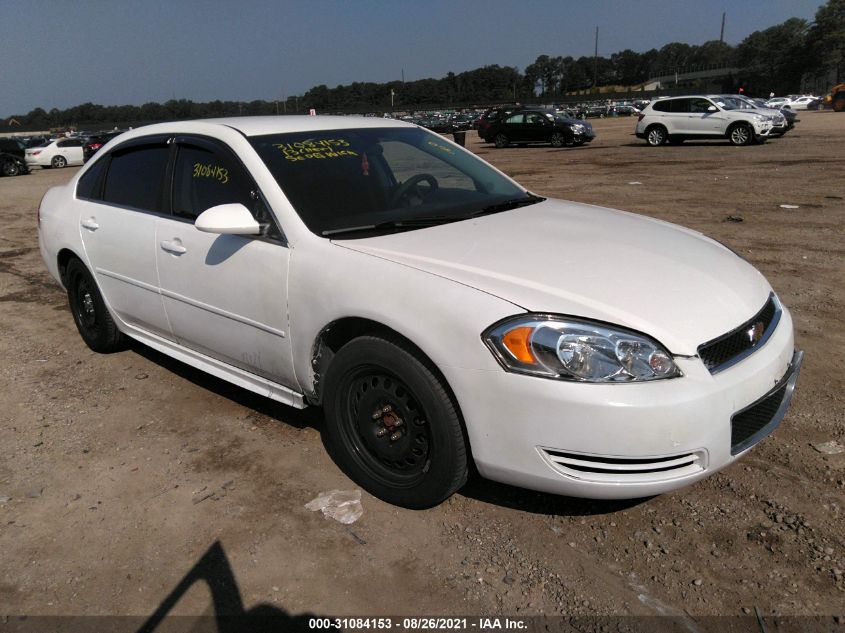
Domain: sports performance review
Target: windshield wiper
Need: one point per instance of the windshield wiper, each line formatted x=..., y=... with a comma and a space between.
x=507, y=205
x=414, y=223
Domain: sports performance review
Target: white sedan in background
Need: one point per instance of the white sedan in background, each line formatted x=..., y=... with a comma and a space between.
x=59, y=153
x=440, y=314
x=800, y=103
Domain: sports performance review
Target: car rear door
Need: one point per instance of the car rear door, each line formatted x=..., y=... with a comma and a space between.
x=120, y=197
x=513, y=126
x=225, y=295
x=71, y=149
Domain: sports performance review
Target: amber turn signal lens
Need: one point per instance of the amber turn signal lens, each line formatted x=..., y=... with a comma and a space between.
x=517, y=343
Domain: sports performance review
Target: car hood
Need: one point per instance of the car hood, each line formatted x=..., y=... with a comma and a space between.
x=669, y=282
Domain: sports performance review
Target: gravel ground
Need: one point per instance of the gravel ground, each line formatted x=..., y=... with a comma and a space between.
x=120, y=472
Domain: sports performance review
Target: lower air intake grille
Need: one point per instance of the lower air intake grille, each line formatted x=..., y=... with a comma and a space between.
x=623, y=469
x=760, y=418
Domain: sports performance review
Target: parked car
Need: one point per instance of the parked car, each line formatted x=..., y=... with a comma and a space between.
x=782, y=120
x=12, y=165
x=803, y=103
x=777, y=102
x=95, y=142
x=56, y=154
x=789, y=115
x=539, y=126
x=460, y=122
x=675, y=119
x=487, y=119
x=378, y=270
x=14, y=146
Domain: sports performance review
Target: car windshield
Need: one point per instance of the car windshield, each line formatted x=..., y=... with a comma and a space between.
x=372, y=180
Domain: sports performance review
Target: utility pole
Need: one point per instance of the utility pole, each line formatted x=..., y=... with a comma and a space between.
x=722, y=33
x=596, y=60
x=403, y=76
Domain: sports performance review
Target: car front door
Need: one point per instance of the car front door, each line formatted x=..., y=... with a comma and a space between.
x=705, y=117
x=225, y=295
x=538, y=128
x=119, y=198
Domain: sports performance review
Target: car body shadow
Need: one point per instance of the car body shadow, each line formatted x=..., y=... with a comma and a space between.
x=534, y=502
x=299, y=418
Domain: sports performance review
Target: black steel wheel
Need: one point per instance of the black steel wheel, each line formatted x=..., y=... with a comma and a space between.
x=391, y=424
x=92, y=318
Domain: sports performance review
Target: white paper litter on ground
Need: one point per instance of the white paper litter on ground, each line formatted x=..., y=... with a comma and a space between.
x=831, y=447
x=789, y=206
x=343, y=506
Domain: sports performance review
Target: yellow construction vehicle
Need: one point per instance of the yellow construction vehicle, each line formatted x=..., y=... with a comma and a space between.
x=836, y=98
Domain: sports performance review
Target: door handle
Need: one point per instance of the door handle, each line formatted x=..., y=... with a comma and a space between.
x=90, y=224
x=174, y=246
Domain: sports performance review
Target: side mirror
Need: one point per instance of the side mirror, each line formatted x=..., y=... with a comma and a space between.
x=228, y=219
x=712, y=109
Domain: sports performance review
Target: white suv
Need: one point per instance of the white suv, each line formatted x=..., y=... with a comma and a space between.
x=676, y=119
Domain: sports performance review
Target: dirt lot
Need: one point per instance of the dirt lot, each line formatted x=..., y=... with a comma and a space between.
x=120, y=472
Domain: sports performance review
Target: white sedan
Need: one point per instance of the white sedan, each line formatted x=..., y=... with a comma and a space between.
x=800, y=103
x=440, y=314
x=56, y=154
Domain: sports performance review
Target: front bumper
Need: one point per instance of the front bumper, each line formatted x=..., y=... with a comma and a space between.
x=618, y=441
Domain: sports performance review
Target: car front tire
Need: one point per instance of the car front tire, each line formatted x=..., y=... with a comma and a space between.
x=392, y=425
x=741, y=134
x=92, y=318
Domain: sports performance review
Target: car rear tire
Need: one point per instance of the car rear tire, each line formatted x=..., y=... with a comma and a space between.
x=92, y=318
x=11, y=168
x=501, y=141
x=58, y=162
x=392, y=425
x=741, y=134
x=558, y=140
x=656, y=135
x=838, y=102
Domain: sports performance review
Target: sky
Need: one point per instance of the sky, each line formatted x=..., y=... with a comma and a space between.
x=61, y=53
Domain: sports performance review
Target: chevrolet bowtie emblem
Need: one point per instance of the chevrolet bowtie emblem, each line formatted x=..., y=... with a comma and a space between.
x=755, y=332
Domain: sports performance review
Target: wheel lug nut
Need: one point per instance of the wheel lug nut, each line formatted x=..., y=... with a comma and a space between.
x=396, y=436
x=381, y=432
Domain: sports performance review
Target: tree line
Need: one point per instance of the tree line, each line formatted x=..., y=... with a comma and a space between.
x=771, y=60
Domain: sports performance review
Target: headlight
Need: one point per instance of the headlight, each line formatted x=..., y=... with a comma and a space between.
x=578, y=128
x=583, y=351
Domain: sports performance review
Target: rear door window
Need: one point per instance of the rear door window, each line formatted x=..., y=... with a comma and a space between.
x=136, y=177
x=680, y=105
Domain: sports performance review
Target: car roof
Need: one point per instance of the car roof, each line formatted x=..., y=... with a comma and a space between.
x=260, y=125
